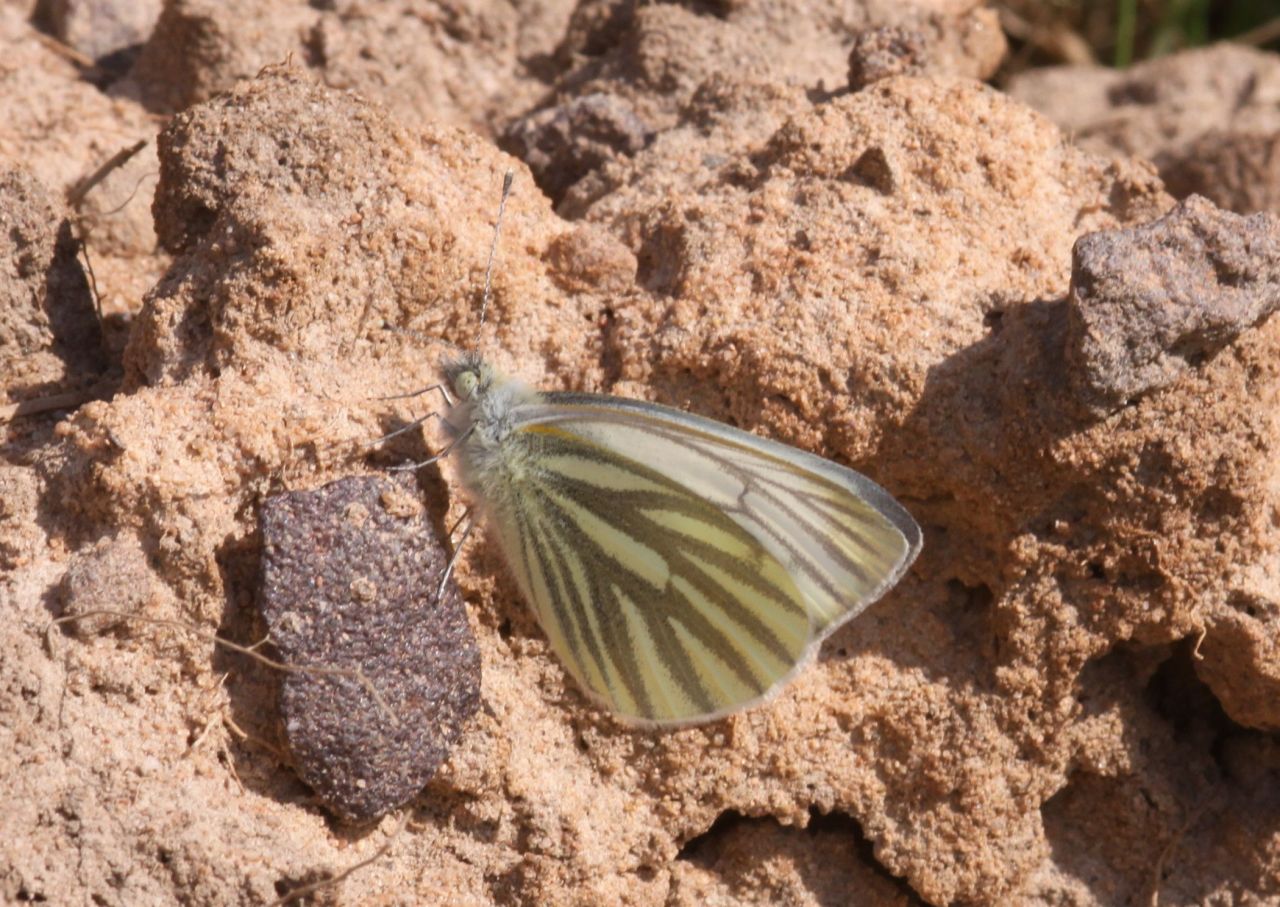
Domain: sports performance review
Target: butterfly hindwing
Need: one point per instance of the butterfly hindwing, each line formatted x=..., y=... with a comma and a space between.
x=681, y=568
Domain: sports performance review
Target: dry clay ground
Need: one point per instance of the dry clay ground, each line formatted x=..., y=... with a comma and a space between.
x=809, y=220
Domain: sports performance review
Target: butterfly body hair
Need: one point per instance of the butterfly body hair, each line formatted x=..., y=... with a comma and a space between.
x=493, y=458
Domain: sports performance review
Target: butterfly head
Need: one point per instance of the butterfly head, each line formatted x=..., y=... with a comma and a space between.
x=469, y=376
x=486, y=400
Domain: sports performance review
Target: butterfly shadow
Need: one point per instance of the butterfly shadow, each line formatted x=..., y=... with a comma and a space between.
x=968, y=463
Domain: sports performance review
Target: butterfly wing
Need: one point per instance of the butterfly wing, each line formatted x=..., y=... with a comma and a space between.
x=683, y=569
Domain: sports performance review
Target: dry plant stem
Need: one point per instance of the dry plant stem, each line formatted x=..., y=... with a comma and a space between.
x=66, y=51
x=1263, y=34
x=245, y=736
x=1061, y=43
x=360, y=324
x=93, y=281
x=1157, y=875
x=208, y=723
x=235, y=776
x=80, y=191
x=77, y=193
x=313, y=887
x=69, y=400
x=354, y=673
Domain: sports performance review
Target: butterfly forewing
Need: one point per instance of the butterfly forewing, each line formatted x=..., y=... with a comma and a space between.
x=658, y=601
x=683, y=569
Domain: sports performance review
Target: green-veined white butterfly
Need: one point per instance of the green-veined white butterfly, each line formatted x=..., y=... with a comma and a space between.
x=681, y=569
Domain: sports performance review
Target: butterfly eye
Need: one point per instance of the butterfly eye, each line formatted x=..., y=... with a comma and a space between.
x=465, y=384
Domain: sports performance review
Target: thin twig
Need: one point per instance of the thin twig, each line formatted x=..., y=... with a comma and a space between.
x=68, y=400
x=364, y=317
x=93, y=284
x=1059, y=42
x=323, y=670
x=277, y=752
x=1263, y=34
x=242, y=734
x=151, y=174
x=208, y=723
x=1201, y=633
x=66, y=51
x=76, y=194
x=1193, y=815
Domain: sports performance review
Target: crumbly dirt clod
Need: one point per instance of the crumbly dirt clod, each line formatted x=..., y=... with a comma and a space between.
x=49, y=335
x=1206, y=117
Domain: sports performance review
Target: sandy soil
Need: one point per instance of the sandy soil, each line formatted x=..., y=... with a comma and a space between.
x=810, y=220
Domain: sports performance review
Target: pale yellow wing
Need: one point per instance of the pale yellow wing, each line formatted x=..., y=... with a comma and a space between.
x=683, y=569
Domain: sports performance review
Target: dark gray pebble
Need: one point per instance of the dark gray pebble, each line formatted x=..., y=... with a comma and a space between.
x=349, y=582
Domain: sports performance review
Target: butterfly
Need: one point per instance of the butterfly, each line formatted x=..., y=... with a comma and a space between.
x=681, y=569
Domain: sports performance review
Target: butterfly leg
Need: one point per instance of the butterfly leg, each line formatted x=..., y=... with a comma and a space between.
x=444, y=392
x=457, y=549
x=408, y=428
x=466, y=515
x=405, y=467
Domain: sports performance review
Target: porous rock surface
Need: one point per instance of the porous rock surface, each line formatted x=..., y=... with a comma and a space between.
x=1149, y=302
x=1069, y=699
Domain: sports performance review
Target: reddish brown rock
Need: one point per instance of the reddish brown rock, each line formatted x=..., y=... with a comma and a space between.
x=966, y=44
x=462, y=65
x=100, y=28
x=883, y=52
x=563, y=144
x=657, y=63
x=200, y=47
x=61, y=129
x=50, y=340
x=757, y=861
x=111, y=575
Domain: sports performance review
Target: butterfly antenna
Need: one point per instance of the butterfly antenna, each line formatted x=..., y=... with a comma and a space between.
x=493, y=248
